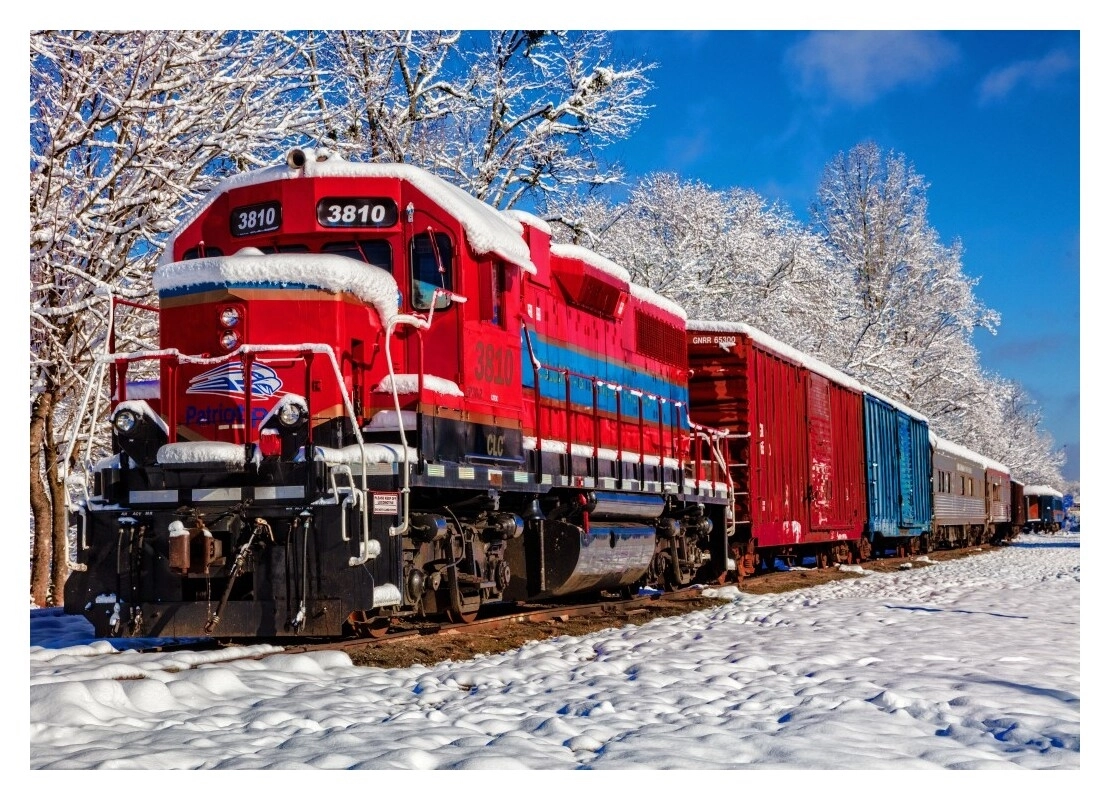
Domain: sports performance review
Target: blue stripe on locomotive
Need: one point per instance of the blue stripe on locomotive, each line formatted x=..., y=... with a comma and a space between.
x=555, y=356
x=898, y=470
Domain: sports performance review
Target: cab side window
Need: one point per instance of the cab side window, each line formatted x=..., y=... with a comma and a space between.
x=492, y=289
x=432, y=268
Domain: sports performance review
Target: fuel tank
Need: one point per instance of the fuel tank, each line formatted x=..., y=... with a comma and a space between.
x=556, y=558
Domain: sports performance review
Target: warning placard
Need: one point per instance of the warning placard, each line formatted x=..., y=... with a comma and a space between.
x=385, y=503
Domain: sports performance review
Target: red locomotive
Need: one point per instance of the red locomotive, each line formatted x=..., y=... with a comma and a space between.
x=377, y=397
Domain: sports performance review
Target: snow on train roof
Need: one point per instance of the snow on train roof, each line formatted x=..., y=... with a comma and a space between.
x=1041, y=491
x=487, y=229
x=528, y=219
x=647, y=295
x=951, y=448
x=596, y=260
x=332, y=273
x=600, y=262
x=809, y=362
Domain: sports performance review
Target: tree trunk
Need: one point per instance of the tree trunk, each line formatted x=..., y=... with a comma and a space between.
x=59, y=498
x=41, y=510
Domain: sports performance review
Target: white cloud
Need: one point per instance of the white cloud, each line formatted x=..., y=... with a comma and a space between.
x=1033, y=73
x=859, y=66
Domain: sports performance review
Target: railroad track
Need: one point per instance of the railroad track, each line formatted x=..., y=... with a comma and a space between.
x=619, y=610
x=616, y=608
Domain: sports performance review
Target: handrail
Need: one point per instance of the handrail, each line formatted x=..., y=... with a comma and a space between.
x=536, y=367
x=245, y=355
x=420, y=324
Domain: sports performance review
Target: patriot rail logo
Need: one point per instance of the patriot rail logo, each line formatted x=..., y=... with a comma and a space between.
x=228, y=380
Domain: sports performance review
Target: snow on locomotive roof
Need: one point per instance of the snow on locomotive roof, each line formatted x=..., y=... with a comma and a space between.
x=809, y=362
x=332, y=273
x=649, y=296
x=600, y=262
x=528, y=219
x=596, y=260
x=1042, y=490
x=960, y=451
x=487, y=229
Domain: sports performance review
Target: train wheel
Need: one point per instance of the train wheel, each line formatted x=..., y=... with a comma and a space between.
x=367, y=625
x=822, y=559
x=455, y=615
x=666, y=572
x=462, y=605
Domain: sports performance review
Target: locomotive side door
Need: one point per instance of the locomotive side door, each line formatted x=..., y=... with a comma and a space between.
x=434, y=264
x=491, y=362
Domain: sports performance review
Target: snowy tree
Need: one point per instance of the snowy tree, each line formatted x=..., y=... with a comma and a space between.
x=1007, y=428
x=127, y=128
x=907, y=331
x=503, y=114
x=882, y=300
x=720, y=254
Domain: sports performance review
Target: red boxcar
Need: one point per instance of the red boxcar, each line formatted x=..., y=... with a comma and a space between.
x=795, y=443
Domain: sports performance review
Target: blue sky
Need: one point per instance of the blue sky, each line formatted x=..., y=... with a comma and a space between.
x=990, y=119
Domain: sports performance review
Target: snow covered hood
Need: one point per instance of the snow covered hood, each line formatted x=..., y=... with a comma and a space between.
x=250, y=267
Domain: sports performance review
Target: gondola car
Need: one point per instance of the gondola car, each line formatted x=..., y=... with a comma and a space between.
x=971, y=496
x=795, y=445
x=379, y=397
x=1044, y=509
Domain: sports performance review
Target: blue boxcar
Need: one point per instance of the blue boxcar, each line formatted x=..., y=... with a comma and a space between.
x=899, y=487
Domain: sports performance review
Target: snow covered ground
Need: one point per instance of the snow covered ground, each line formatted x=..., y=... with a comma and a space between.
x=968, y=664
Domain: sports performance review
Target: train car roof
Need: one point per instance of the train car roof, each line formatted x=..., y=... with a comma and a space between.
x=487, y=229
x=613, y=269
x=650, y=296
x=968, y=455
x=807, y=361
x=528, y=219
x=1042, y=490
x=595, y=260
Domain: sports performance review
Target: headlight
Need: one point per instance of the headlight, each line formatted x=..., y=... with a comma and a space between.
x=290, y=414
x=125, y=421
x=230, y=340
x=229, y=317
